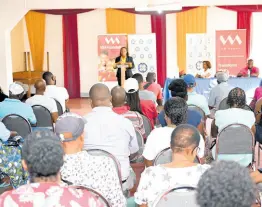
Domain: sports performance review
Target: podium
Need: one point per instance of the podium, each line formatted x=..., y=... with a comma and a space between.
x=123, y=73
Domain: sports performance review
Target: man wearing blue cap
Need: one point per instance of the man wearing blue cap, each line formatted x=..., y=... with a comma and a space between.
x=193, y=97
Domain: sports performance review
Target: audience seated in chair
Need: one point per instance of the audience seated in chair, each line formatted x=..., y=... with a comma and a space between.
x=5, y=134
x=220, y=91
x=175, y=114
x=235, y=114
x=81, y=168
x=145, y=107
x=111, y=132
x=58, y=93
x=40, y=99
x=2, y=95
x=258, y=113
x=193, y=97
x=226, y=184
x=120, y=107
x=155, y=180
x=13, y=105
x=154, y=87
x=144, y=94
x=42, y=156
x=178, y=88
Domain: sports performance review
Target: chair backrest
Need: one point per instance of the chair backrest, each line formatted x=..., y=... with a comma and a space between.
x=147, y=125
x=236, y=142
x=198, y=109
x=59, y=108
x=181, y=196
x=96, y=194
x=43, y=117
x=17, y=123
x=165, y=156
x=140, y=141
x=5, y=183
x=223, y=104
x=99, y=152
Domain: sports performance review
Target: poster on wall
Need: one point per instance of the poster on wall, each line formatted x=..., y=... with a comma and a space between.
x=199, y=48
x=143, y=50
x=108, y=49
x=231, y=50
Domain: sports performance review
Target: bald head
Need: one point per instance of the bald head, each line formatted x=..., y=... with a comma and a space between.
x=184, y=136
x=100, y=95
x=118, y=96
x=40, y=86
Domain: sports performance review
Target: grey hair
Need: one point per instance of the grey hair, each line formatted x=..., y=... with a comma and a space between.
x=43, y=153
x=226, y=184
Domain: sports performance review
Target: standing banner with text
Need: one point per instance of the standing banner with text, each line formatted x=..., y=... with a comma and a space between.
x=231, y=50
x=199, y=48
x=143, y=50
x=108, y=49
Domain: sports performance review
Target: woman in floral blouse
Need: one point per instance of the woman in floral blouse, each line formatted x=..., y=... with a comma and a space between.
x=42, y=156
x=182, y=171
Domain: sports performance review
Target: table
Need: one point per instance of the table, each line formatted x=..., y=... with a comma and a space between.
x=204, y=86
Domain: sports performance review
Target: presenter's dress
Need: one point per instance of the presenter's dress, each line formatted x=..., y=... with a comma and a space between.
x=129, y=73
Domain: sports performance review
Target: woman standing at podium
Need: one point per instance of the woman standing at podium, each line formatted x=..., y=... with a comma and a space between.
x=124, y=59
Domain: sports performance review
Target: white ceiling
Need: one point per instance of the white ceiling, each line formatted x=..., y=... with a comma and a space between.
x=71, y=4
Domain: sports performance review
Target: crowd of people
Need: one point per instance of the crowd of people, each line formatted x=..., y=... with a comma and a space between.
x=61, y=167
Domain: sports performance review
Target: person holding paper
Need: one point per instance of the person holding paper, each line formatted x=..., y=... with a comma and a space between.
x=124, y=60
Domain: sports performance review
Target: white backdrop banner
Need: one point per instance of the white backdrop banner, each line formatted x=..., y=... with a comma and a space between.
x=143, y=50
x=199, y=47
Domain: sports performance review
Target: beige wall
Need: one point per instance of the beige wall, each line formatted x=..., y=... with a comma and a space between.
x=17, y=47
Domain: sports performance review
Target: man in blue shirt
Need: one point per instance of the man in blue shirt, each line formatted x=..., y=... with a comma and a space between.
x=178, y=87
x=13, y=105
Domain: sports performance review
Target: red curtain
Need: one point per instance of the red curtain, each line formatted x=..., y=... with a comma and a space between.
x=71, y=58
x=244, y=22
x=158, y=25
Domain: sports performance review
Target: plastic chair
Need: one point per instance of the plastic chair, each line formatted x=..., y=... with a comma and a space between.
x=43, y=117
x=198, y=109
x=165, y=156
x=223, y=105
x=96, y=194
x=17, y=123
x=99, y=152
x=140, y=141
x=181, y=196
x=147, y=125
x=59, y=108
x=236, y=143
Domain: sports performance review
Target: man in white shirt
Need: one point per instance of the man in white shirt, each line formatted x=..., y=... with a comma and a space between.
x=109, y=131
x=194, y=98
x=4, y=132
x=81, y=168
x=159, y=139
x=40, y=99
x=144, y=94
x=219, y=92
x=58, y=93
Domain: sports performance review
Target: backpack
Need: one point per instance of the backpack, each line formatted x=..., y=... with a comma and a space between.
x=10, y=161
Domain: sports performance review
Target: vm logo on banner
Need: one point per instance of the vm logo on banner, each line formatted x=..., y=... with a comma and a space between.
x=230, y=40
x=112, y=40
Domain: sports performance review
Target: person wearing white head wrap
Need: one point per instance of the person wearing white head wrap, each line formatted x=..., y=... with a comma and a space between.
x=219, y=92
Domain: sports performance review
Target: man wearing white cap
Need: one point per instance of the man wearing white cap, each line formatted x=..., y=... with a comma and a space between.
x=81, y=168
x=13, y=105
x=221, y=91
